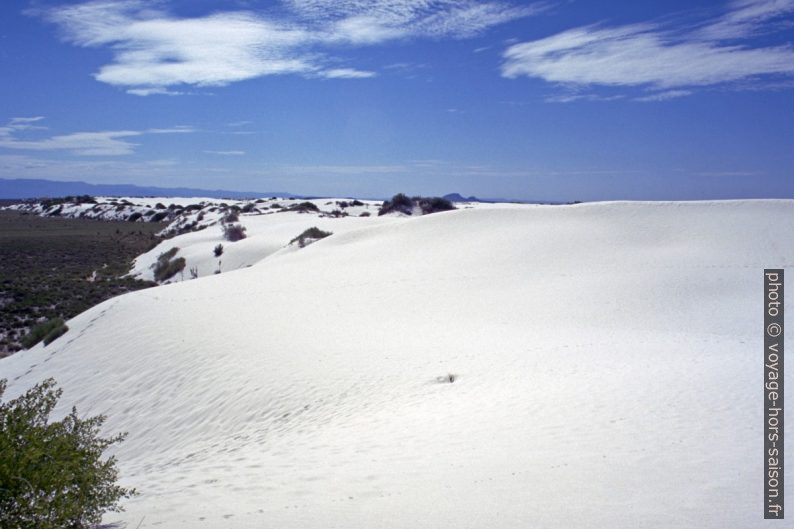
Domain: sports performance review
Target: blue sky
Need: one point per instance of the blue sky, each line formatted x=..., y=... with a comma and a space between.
x=567, y=100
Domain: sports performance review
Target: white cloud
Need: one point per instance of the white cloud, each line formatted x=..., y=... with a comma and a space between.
x=24, y=121
x=154, y=91
x=154, y=49
x=746, y=18
x=179, y=129
x=374, y=21
x=347, y=73
x=100, y=143
x=105, y=143
x=664, y=96
x=226, y=153
x=657, y=57
x=22, y=124
x=571, y=97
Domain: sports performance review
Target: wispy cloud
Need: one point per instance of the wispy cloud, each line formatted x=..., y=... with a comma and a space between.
x=747, y=18
x=664, y=96
x=657, y=57
x=19, y=122
x=226, y=153
x=570, y=97
x=23, y=124
x=154, y=91
x=155, y=50
x=347, y=73
x=99, y=143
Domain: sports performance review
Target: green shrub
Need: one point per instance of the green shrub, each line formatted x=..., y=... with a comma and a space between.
x=233, y=232
x=46, y=331
x=402, y=204
x=51, y=473
x=309, y=236
x=55, y=333
x=399, y=202
x=218, y=250
x=159, y=216
x=434, y=204
x=169, y=254
x=303, y=207
x=165, y=267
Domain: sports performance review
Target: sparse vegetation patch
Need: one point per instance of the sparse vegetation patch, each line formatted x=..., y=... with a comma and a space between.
x=309, y=236
x=166, y=266
x=303, y=207
x=59, y=267
x=234, y=232
x=46, y=331
x=400, y=203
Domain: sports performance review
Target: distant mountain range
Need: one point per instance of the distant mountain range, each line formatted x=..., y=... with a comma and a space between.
x=457, y=197
x=35, y=188
x=29, y=188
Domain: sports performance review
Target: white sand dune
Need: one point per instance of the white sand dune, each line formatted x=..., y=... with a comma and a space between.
x=265, y=235
x=607, y=363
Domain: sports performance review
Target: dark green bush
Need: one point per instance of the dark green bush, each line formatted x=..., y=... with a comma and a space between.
x=169, y=254
x=402, y=204
x=398, y=203
x=55, y=333
x=309, y=236
x=303, y=207
x=434, y=204
x=233, y=232
x=51, y=473
x=218, y=250
x=46, y=331
x=165, y=267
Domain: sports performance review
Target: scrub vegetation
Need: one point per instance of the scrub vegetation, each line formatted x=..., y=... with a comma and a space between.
x=56, y=268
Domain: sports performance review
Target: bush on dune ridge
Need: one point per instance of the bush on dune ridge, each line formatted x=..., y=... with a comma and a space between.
x=46, y=331
x=233, y=232
x=165, y=267
x=400, y=203
x=309, y=236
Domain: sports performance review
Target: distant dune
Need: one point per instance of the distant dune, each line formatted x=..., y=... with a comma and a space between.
x=504, y=366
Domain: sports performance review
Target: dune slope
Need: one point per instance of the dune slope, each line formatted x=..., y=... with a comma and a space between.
x=607, y=364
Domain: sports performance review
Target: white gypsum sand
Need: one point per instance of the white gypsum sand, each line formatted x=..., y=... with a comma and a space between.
x=607, y=363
